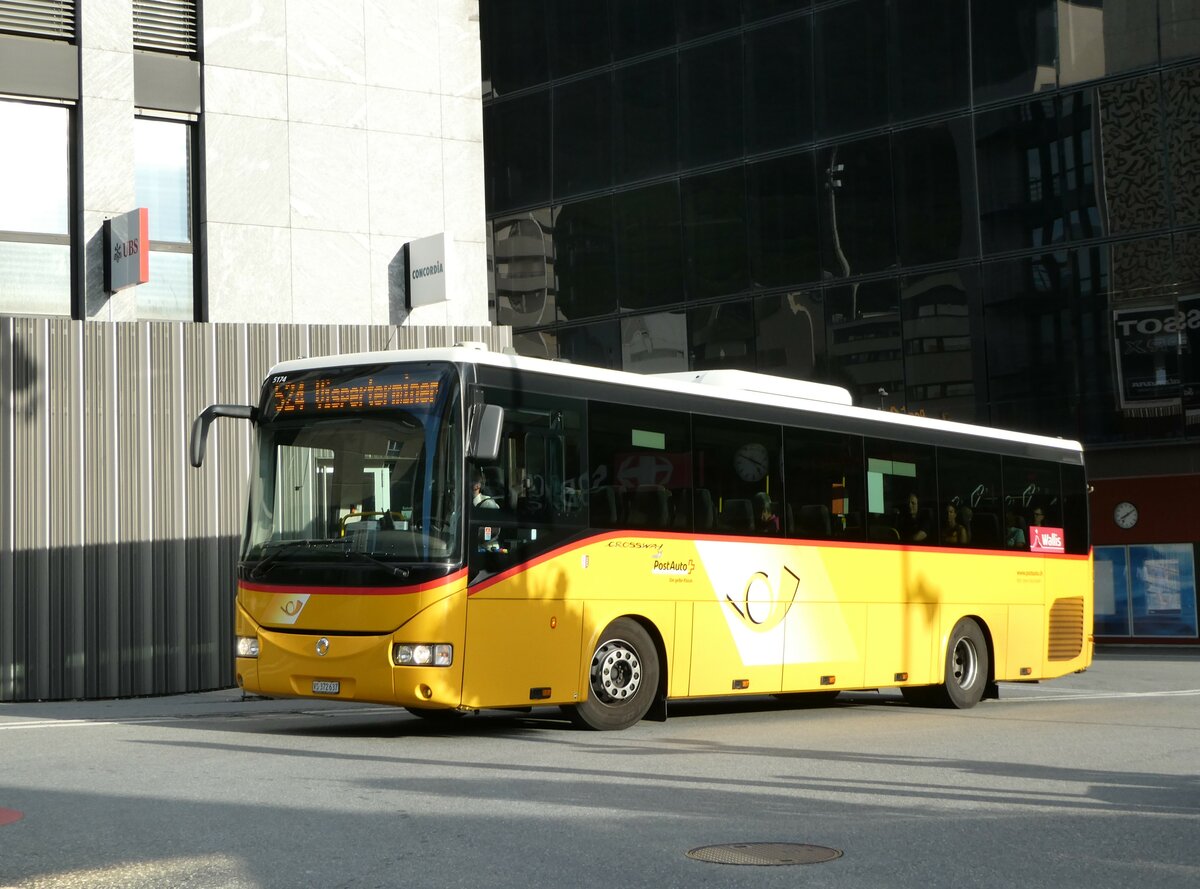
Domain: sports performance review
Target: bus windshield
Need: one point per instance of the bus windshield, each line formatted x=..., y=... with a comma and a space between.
x=358, y=473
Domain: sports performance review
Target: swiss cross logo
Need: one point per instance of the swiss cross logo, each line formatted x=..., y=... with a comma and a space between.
x=1046, y=540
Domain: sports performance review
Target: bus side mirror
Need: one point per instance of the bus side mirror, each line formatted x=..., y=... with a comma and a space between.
x=488, y=422
x=201, y=423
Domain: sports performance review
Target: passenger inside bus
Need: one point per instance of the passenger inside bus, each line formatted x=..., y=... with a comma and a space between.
x=954, y=533
x=914, y=524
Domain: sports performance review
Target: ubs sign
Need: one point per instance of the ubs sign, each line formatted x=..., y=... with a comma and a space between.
x=127, y=250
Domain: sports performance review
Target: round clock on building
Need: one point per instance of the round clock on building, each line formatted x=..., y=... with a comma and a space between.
x=1125, y=514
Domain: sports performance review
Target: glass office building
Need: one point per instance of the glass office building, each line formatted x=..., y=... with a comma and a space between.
x=983, y=210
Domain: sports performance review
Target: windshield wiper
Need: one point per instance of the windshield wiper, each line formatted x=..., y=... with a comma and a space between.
x=268, y=562
x=397, y=570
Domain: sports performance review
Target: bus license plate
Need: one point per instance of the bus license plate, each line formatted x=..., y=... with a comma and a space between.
x=326, y=687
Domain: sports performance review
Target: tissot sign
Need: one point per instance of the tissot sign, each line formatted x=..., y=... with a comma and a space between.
x=127, y=250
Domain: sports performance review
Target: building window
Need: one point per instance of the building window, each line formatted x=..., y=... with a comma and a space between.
x=163, y=176
x=35, y=246
x=54, y=19
x=165, y=26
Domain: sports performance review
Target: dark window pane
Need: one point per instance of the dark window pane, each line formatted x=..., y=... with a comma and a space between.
x=539, y=344
x=937, y=217
x=639, y=467
x=579, y=36
x=722, y=336
x=654, y=343
x=1033, y=493
x=932, y=71
x=649, y=251
x=943, y=345
x=972, y=505
x=585, y=259
x=517, y=147
x=639, y=27
x=864, y=345
x=582, y=136
x=790, y=335
x=1181, y=90
x=901, y=493
x=714, y=231
x=1100, y=37
x=779, y=85
x=645, y=125
x=1179, y=28
x=852, y=70
x=753, y=10
x=1030, y=339
x=1013, y=45
x=522, y=257
x=740, y=465
x=710, y=98
x=700, y=17
x=514, y=43
x=783, y=207
x=1020, y=177
x=824, y=472
x=857, y=231
x=596, y=345
x=1128, y=163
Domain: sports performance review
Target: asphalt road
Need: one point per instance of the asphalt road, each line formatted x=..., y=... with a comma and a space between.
x=1090, y=781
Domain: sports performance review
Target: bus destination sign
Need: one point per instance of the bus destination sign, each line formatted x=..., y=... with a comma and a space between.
x=305, y=395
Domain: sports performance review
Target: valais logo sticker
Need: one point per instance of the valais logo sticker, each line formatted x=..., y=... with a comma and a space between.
x=1046, y=540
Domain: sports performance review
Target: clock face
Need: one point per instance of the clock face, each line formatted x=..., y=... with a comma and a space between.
x=750, y=461
x=1125, y=514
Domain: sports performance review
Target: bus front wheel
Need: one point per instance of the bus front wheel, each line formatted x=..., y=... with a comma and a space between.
x=622, y=678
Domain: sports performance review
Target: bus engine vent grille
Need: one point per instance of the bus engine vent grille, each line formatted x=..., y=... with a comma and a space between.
x=1066, y=629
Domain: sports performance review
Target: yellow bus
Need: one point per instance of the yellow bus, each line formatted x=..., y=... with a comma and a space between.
x=452, y=530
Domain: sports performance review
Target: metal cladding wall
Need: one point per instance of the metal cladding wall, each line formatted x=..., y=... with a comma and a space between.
x=116, y=557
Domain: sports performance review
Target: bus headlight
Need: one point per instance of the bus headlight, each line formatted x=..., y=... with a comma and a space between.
x=247, y=646
x=423, y=654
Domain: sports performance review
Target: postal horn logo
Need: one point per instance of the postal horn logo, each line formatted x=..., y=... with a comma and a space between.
x=762, y=606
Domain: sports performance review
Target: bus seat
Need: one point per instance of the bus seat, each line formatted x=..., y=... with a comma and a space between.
x=737, y=515
x=985, y=530
x=879, y=532
x=702, y=509
x=650, y=507
x=814, y=520
x=605, y=506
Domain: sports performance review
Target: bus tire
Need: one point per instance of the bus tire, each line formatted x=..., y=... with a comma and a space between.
x=966, y=667
x=622, y=678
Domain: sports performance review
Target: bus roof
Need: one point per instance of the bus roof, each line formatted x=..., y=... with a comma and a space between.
x=727, y=385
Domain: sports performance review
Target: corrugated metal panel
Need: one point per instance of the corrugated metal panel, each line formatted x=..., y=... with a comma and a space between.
x=116, y=558
x=38, y=18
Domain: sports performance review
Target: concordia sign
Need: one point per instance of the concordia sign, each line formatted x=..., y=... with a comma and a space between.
x=427, y=262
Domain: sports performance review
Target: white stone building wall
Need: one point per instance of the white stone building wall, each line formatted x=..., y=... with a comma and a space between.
x=335, y=131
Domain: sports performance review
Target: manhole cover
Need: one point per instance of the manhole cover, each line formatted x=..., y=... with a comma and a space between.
x=764, y=853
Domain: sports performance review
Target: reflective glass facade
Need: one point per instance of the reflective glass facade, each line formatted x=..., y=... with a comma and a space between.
x=990, y=211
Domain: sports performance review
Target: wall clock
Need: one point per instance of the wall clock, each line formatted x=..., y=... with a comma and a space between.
x=1125, y=514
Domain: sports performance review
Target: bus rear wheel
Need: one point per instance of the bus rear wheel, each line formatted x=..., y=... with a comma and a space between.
x=622, y=678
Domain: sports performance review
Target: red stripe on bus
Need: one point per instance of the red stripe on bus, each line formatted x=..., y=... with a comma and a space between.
x=776, y=541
